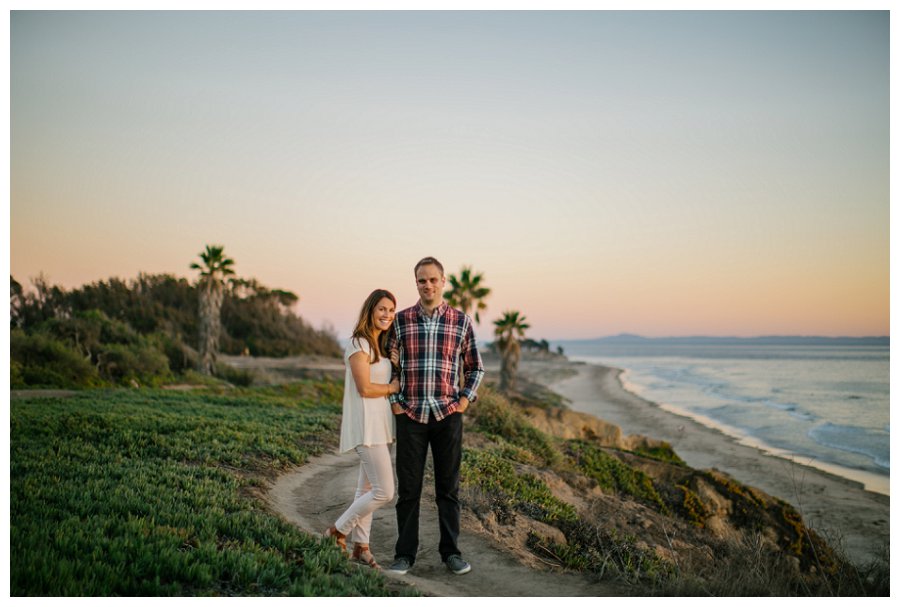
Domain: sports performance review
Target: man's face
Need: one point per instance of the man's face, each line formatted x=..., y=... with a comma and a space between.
x=430, y=283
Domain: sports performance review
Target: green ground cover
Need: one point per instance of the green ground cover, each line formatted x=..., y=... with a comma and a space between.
x=152, y=492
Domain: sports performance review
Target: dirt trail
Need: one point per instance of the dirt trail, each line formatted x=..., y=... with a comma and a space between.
x=313, y=496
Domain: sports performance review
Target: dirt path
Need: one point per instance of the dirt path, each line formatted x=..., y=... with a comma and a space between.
x=313, y=496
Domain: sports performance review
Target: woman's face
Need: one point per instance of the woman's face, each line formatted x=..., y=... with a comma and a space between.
x=383, y=314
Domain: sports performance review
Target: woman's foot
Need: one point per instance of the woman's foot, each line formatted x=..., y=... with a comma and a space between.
x=362, y=554
x=339, y=537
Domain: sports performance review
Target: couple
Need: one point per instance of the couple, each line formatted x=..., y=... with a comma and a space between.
x=422, y=400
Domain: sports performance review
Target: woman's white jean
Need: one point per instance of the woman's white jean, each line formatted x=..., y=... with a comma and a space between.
x=374, y=489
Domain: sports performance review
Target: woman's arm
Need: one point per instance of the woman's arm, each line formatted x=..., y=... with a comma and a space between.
x=359, y=367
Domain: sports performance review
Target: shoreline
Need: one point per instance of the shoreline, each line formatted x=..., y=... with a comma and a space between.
x=858, y=520
x=870, y=481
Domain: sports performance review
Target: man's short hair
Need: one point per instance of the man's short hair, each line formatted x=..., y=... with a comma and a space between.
x=428, y=261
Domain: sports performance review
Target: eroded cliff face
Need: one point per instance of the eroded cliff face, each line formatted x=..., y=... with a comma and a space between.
x=710, y=500
x=634, y=488
x=568, y=424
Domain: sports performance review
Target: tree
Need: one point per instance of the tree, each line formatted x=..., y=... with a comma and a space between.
x=509, y=329
x=467, y=293
x=211, y=286
x=16, y=302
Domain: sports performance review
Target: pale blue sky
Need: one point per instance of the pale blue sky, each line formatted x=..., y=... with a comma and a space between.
x=653, y=172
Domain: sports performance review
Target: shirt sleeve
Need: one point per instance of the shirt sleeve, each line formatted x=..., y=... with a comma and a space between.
x=356, y=345
x=393, y=341
x=473, y=367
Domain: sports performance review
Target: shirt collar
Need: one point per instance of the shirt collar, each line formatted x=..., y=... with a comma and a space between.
x=437, y=313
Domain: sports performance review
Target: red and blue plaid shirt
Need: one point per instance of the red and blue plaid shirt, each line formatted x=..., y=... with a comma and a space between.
x=430, y=350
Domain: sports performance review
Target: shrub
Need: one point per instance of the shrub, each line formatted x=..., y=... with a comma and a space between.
x=691, y=506
x=182, y=358
x=511, y=490
x=40, y=361
x=494, y=416
x=119, y=353
x=140, y=362
x=254, y=317
x=602, y=551
x=238, y=377
x=16, y=379
x=663, y=453
x=614, y=475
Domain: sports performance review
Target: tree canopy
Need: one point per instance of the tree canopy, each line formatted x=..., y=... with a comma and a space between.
x=112, y=331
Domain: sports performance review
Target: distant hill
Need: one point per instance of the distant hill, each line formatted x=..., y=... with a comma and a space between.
x=771, y=340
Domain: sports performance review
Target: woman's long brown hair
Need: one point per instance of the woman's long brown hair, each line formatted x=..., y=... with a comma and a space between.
x=365, y=328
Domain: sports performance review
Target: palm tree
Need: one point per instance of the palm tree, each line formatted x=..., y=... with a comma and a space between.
x=211, y=286
x=509, y=330
x=466, y=292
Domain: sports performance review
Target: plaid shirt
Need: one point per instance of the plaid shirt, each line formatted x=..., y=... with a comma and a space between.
x=430, y=349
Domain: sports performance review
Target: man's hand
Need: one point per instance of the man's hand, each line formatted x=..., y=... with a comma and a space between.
x=463, y=405
x=396, y=409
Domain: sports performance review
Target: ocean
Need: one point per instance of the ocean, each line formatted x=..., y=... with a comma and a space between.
x=825, y=405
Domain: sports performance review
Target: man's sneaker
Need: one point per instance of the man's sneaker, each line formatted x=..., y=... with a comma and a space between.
x=457, y=565
x=400, y=566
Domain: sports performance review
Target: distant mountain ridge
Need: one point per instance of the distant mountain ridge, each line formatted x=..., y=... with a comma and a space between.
x=770, y=340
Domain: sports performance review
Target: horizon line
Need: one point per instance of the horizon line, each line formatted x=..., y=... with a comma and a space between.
x=768, y=336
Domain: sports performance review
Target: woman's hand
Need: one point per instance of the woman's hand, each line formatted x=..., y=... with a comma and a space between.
x=395, y=357
x=394, y=386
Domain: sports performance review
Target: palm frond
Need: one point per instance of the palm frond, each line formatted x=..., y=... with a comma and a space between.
x=465, y=292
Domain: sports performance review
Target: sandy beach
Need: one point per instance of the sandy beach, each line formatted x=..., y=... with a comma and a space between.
x=840, y=509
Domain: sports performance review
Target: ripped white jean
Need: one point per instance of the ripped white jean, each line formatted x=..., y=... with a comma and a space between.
x=374, y=489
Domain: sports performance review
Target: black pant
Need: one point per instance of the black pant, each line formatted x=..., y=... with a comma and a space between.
x=413, y=438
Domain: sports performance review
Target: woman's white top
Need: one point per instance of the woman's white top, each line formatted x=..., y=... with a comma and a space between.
x=366, y=421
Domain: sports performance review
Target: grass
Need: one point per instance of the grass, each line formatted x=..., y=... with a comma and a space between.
x=155, y=493
x=612, y=474
x=494, y=479
x=662, y=452
x=497, y=419
x=606, y=553
x=510, y=490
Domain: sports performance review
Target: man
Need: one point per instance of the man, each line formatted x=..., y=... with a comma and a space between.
x=431, y=338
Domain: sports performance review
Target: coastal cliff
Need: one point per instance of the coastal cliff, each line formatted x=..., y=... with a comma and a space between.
x=563, y=490
x=568, y=490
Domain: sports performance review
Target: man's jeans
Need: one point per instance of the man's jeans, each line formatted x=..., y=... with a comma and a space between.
x=413, y=438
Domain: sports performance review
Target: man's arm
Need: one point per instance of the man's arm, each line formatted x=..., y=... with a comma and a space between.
x=393, y=345
x=473, y=369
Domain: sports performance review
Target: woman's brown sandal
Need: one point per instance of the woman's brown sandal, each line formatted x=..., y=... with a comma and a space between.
x=362, y=554
x=339, y=537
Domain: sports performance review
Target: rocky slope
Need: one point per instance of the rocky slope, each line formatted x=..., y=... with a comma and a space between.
x=564, y=489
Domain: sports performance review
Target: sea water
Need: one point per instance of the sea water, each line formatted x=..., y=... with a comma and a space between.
x=823, y=405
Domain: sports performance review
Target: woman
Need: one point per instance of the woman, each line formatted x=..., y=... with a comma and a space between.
x=367, y=426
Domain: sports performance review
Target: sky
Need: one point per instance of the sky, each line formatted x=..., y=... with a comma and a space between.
x=658, y=173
